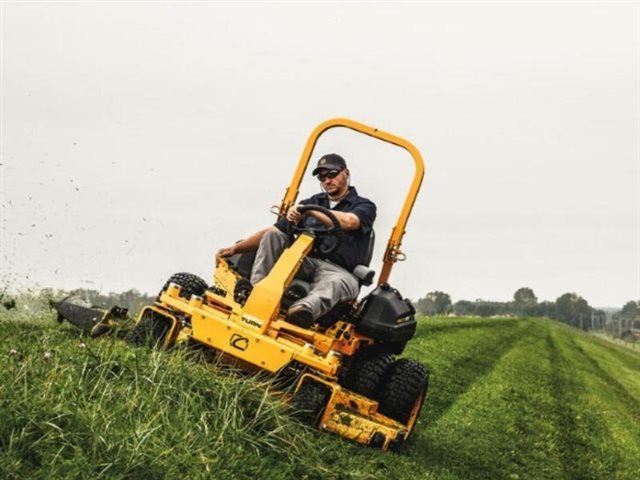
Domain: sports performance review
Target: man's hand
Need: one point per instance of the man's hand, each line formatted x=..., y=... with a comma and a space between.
x=347, y=220
x=293, y=215
x=226, y=252
x=245, y=245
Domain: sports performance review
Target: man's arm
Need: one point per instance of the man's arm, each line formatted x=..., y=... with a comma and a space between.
x=347, y=220
x=249, y=244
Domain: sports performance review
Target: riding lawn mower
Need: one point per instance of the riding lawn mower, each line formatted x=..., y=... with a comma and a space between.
x=341, y=375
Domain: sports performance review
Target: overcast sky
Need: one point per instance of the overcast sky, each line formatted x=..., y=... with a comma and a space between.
x=138, y=138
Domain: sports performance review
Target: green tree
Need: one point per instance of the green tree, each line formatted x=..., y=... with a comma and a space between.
x=464, y=307
x=629, y=316
x=545, y=309
x=488, y=309
x=435, y=303
x=630, y=310
x=524, y=301
x=574, y=310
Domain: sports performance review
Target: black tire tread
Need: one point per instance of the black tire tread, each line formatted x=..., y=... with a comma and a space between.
x=190, y=284
x=406, y=380
x=367, y=373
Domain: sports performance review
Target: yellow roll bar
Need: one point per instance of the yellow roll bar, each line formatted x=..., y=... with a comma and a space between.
x=392, y=253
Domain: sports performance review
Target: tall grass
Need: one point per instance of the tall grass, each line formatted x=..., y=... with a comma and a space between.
x=74, y=408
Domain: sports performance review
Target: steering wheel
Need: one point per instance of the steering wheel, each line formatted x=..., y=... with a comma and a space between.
x=320, y=232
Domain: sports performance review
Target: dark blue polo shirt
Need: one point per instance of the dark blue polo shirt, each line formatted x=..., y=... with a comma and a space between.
x=355, y=243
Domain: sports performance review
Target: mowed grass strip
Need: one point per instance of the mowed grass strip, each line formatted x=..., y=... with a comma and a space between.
x=620, y=362
x=501, y=425
x=458, y=353
x=607, y=414
x=535, y=407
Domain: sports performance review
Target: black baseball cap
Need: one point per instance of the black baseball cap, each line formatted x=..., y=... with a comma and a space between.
x=331, y=161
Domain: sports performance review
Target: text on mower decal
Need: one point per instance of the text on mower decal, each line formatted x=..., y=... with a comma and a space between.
x=253, y=321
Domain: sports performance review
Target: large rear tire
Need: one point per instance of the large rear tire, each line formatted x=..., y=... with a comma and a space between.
x=189, y=283
x=367, y=374
x=404, y=392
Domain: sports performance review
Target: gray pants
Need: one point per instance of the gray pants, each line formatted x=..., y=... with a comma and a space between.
x=330, y=284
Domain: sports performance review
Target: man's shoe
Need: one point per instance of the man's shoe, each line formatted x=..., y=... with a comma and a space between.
x=300, y=315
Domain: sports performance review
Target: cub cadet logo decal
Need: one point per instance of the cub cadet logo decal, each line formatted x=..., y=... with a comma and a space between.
x=239, y=342
x=253, y=321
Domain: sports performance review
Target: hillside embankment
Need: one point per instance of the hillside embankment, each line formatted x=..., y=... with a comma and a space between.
x=509, y=398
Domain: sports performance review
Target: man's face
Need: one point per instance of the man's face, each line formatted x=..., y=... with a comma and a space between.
x=336, y=185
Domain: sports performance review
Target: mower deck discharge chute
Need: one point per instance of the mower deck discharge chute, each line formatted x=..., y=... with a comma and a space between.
x=92, y=321
x=342, y=374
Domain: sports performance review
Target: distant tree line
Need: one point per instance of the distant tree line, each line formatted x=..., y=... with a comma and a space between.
x=568, y=308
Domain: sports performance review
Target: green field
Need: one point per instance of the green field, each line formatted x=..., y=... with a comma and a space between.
x=509, y=398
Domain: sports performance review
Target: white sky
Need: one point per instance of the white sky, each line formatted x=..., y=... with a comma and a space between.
x=136, y=139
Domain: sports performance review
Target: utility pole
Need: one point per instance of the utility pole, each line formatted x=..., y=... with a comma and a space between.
x=619, y=327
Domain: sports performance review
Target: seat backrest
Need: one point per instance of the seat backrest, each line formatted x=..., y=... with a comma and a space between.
x=363, y=272
x=372, y=242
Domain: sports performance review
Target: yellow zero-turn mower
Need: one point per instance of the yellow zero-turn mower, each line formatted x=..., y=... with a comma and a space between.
x=343, y=372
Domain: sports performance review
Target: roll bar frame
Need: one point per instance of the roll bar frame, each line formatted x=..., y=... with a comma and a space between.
x=392, y=253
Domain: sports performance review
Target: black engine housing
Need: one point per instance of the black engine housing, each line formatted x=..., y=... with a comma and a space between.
x=387, y=317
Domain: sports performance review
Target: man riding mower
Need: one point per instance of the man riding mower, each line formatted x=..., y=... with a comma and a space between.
x=336, y=253
x=284, y=301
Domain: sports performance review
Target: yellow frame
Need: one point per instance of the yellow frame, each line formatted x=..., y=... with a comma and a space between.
x=392, y=253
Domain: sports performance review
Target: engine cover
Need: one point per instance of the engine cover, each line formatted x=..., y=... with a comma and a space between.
x=387, y=317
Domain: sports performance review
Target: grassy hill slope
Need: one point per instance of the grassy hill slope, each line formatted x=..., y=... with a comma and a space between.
x=509, y=398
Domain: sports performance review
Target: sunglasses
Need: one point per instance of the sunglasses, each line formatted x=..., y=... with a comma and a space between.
x=330, y=174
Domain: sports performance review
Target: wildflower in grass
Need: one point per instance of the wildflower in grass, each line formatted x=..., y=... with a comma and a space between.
x=13, y=352
x=82, y=346
x=47, y=356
